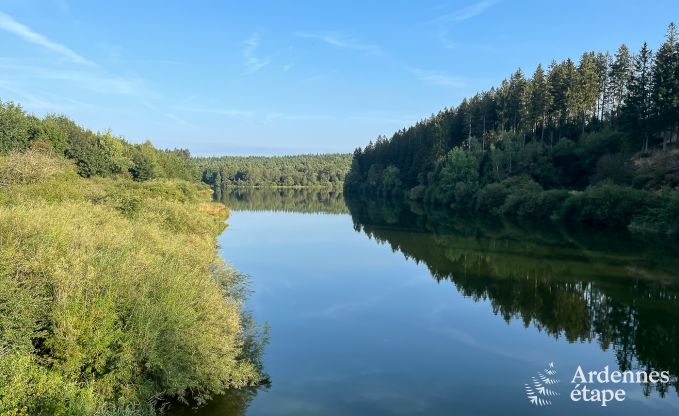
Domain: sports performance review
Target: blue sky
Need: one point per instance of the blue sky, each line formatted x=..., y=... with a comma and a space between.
x=274, y=77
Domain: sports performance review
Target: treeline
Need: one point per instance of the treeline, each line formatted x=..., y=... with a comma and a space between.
x=299, y=170
x=94, y=154
x=587, y=140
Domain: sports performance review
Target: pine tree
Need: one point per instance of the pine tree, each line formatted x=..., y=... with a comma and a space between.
x=604, y=61
x=586, y=88
x=558, y=92
x=666, y=86
x=621, y=71
x=569, y=85
x=540, y=98
x=517, y=85
x=639, y=101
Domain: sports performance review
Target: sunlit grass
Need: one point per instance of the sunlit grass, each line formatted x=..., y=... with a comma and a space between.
x=112, y=296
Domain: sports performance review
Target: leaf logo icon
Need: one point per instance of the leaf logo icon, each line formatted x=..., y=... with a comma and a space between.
x=537, y=391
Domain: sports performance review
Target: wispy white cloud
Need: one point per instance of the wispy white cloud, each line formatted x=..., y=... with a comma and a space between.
x=7, y=23
x=446, y=22
x=89, y=79
x=466, y=13
x=253, y=63
x=438, y=78
x=42, y=102
x=341, y=41
x=74, y=69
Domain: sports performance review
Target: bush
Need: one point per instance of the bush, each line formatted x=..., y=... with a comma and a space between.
x=663, y=218
x=543, y=204
x=416, y=193
x=491, y=197
x=30, y=166
x=608, y=205
x=616, y=168
x=113, y=297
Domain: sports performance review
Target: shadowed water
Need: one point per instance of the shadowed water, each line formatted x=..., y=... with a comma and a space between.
x=393, y=309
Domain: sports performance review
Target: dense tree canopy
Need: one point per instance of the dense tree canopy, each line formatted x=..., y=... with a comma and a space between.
x=300, y=170
x=95, y=154
x=602, y=121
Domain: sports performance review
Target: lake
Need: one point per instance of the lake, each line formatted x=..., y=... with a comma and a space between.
x=393, y=309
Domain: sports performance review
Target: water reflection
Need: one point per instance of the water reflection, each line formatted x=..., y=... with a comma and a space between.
x=233, y=403
x=356, y=329
x=307, y=200
x=619, y=291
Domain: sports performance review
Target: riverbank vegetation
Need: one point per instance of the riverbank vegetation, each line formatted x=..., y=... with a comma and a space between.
x=593, y=141
x=113, y=299
x=318, y=170
x=93, y=153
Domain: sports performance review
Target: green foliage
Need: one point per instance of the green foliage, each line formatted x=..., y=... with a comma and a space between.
x=416, y=193
x=112, y=295
x=15, y=128
x=576, y=127
x=455, y=179
x=94, y=154
x=662, y=217
x=492, y=197
x=605, y=204
x=264, y=171
x=534, y=204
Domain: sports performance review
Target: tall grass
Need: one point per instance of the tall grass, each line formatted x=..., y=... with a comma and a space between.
x=112, y=296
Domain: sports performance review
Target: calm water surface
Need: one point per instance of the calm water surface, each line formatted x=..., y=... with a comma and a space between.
x=395, y=310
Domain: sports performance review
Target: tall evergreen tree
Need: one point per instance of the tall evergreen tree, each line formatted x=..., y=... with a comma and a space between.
x=517, y=86
x=621, y=71
x=639, y=102
x=604, y=61
x=586, y=88
x=540, y=99
x=666, y=86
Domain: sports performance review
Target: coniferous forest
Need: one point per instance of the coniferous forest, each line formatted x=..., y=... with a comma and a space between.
x=593, y=141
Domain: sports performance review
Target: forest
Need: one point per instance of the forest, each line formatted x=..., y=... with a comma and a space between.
x=113, y=297
x=593, y=141
x=327, y=170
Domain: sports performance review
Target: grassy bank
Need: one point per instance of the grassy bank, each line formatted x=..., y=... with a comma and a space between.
x=112, y=295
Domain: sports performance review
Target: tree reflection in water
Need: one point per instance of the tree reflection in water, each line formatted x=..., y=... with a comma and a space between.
x=585, y=285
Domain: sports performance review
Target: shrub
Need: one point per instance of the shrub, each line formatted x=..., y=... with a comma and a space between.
x=543, y=204
x=416, y=193
x=491, y=197
x=663, y=218
x=30, y=166
x=607, y=205
x=113, y=297
x=495, y=198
